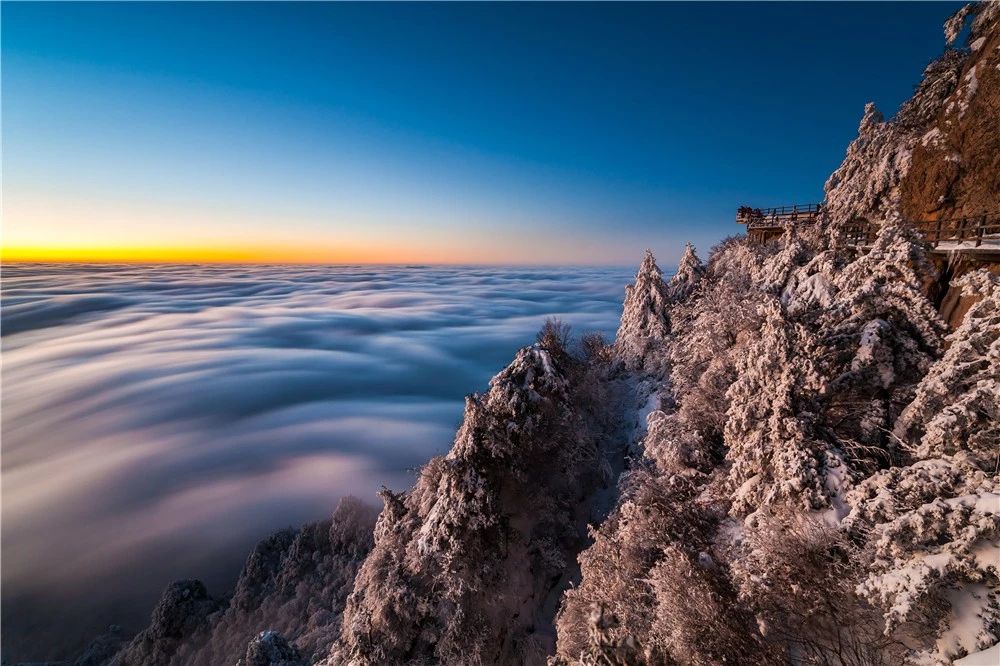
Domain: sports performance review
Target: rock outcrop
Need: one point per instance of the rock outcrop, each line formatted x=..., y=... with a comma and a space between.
x=271, y=649
x=939, y=155
x=955, y=165
x=182, y=614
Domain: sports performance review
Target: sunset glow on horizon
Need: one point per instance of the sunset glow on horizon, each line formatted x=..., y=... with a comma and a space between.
x=438, y=133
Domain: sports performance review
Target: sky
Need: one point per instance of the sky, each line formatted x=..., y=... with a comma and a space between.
x=432, y=133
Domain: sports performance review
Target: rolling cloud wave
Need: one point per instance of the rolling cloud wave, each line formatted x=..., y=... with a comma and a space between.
x=158, y=420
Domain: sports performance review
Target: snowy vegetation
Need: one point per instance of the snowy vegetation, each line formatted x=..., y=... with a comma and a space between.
x=783, y=458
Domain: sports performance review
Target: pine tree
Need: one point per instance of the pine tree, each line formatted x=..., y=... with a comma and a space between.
x=689, y=273
x=645, y=322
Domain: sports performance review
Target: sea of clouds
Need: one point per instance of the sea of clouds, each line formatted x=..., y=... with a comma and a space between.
x=159, y=420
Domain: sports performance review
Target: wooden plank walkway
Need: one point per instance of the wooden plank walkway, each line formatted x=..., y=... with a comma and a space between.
x=971, y=233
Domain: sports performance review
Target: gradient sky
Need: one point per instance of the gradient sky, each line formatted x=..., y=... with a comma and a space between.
x=509, y=133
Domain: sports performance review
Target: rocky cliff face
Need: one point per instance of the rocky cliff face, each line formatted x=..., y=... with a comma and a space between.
x=955, y=165
x=938, y=156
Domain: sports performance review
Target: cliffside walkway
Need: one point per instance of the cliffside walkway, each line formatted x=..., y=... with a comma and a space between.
x=973, y=233
x=963, y=234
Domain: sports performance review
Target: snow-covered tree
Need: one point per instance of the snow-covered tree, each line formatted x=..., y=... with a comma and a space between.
x=957, y=404
x=645, y=322
x=654, y=512
x=467, y=565
x=773, y=449
x=880, y=335
x=270, y=648
x=931, y=560
x=689, y=273
x=710, y=334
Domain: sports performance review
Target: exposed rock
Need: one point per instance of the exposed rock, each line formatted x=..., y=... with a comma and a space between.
x=182, y=614
x=955, y=166
x=867, y=185
x=270, y=648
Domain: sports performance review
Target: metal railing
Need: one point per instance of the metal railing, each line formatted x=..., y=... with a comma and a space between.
x=772, y=218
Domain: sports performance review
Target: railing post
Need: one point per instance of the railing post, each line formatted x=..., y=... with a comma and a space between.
x=979, y=231
x=937, y=234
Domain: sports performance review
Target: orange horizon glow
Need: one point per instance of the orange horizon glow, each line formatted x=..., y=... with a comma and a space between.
x=206, y=255
x=254, y=255
x=47, y=227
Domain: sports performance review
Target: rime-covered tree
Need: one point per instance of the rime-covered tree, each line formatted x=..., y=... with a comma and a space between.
x=880, y=335
x=931, y=555
x=957, y=403
x=645, y=319
x=467, y=564
x=773, y=448
x=689, y=273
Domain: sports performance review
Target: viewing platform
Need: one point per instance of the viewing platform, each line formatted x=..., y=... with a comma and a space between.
x=973, y=234
x=763, y=224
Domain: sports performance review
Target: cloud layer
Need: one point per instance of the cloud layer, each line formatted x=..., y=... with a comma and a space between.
x=158, y=420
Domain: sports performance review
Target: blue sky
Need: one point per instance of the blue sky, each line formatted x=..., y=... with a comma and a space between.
x=521, y=133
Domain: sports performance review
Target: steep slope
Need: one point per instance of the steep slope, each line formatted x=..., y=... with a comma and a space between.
x=468, y=565
x=955, y=166
x=781, y=459
x=294, y=582
x=820, y=482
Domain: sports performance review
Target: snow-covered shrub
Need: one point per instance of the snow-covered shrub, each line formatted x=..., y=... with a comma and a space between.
x=810, y=287
x=554, y=336
x=270, y=648
x=772, y=274
x=710, y=335
x=880, y=335
x=677, y=447
x=596, y=349
x=773, y=449
x=934, y=570
x=957, y=404
x=930, y=559
x=654, y=513
x=796, y=575
x=698, y=619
